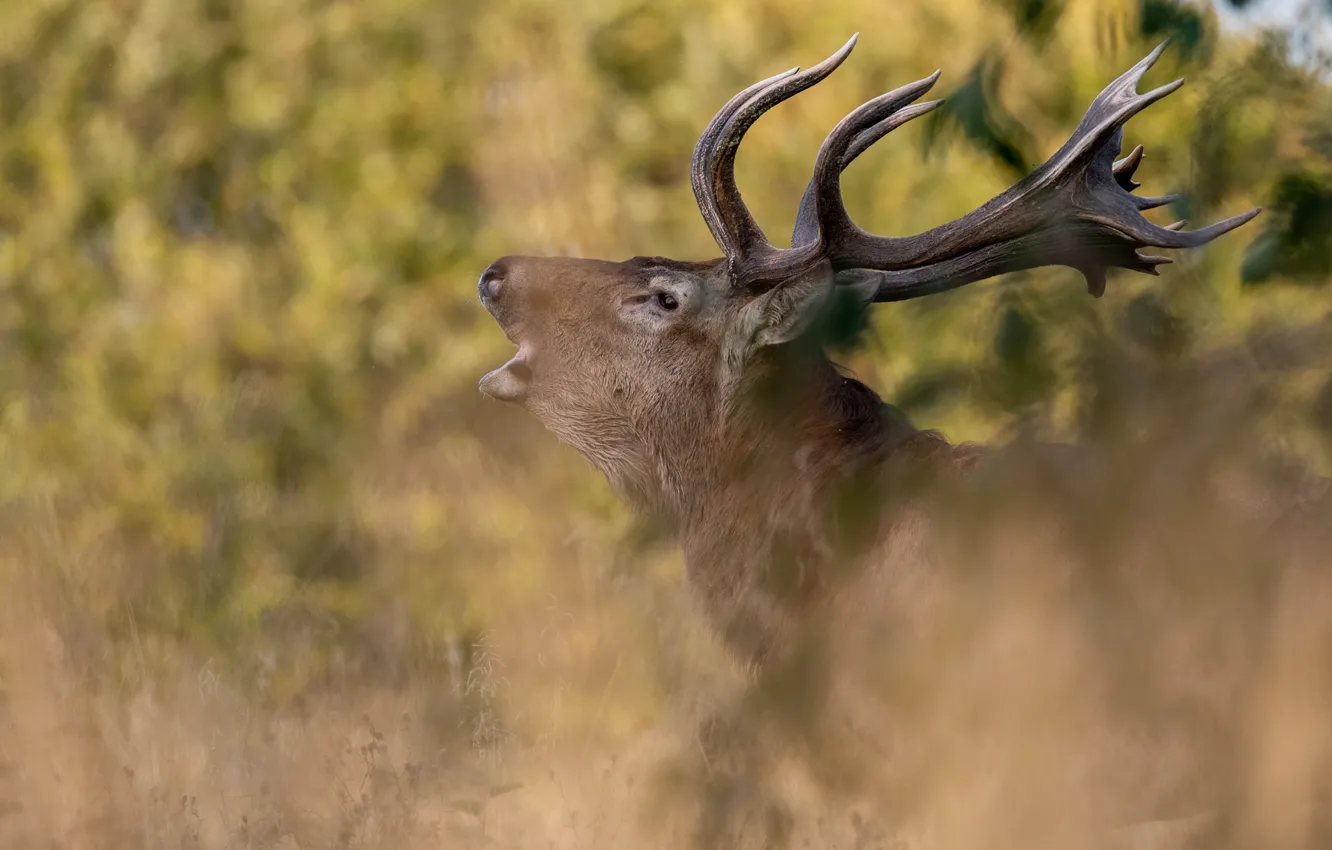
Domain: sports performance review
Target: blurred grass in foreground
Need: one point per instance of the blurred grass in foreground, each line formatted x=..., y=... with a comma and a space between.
x=274, y=575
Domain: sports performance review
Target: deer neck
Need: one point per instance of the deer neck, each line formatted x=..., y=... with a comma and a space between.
x=758, y=536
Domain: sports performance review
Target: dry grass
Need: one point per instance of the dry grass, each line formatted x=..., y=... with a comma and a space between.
x=1031, y=688
x=272, y=575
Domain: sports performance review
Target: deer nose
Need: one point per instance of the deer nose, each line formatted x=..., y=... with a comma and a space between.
x=491, y=281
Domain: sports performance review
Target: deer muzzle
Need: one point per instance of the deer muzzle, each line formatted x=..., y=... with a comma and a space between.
x=511, y=381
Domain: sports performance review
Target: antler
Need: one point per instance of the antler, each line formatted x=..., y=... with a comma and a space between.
x=713, y=168
x=863, y=131
x=1075, y=210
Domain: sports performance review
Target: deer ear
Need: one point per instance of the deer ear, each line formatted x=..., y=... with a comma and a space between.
x=787, y=311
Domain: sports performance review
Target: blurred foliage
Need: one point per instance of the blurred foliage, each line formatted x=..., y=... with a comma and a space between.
x=239, y=242
x=1184, y=23
x=1036, y=18
x=638, y=50
x=1295, y=244
x=973, y=111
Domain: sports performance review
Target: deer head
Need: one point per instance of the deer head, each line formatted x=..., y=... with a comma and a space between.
x=646, y=365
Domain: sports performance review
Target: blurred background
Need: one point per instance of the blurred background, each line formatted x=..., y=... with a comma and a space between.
x=274, y=574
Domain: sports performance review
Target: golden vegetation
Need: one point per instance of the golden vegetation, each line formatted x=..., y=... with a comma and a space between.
x=274, y=575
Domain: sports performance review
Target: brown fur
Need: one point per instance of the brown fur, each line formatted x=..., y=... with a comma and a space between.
x=823, y=538
x=745, y=477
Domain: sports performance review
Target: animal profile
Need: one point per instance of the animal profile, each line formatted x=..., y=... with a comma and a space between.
x=664, y=373
x=704, y=393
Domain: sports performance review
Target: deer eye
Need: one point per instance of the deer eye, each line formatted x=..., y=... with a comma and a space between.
x=665, y=301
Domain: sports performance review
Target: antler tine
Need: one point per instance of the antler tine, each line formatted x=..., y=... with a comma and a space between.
x=1144, y=202
x=866, y=138
x=700, y=167
x=742, y=234
x=1125, y=168
x=1154, y=235
x=852, y=136
x=866, y=125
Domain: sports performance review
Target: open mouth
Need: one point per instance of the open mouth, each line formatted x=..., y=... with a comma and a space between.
x=511, y=381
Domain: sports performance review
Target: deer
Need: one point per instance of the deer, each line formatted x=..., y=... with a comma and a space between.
x=651, y=367
x=703, y=393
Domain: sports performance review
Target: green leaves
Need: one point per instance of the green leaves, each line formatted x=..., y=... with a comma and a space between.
x=973, y=110
x=1035, y=19
x=1297, y=243
x=1184, y=23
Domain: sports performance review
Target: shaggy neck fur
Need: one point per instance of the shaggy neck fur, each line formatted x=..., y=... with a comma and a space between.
x=766, y=498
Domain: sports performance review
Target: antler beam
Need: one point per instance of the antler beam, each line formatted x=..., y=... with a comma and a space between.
x=1076, y=210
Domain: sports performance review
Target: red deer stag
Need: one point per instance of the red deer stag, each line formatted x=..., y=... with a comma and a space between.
x=703, y=393
x=658, y=370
